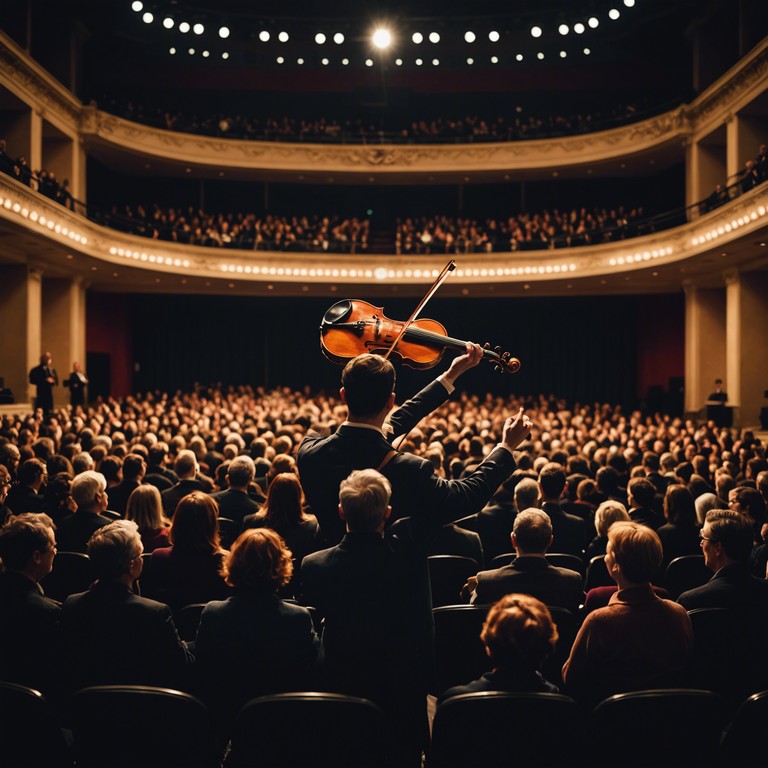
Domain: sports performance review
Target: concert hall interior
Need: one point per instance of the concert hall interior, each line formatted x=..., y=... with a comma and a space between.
x=205, y=206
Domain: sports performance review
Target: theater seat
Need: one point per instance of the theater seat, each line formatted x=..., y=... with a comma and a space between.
x=685, y=573
x=670, y=727
x=135, y=726
x=742, y=739
x=71, y=573
x=490, y=729
x=316, y=730
x=447, y=575
x=30, y=737
x=187, y=620
x=597, y=574
x=459, y=652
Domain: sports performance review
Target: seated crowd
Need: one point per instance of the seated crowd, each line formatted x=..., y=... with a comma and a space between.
x=44, y=181
x=306, y=535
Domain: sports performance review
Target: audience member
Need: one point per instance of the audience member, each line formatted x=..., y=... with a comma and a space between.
x=606, y=515
x=28, y=494
x=145, y=508
x=186, y=468
x=134, y=469
x=679, y=535
x=568, y=530
x=89, y=492
x=235, y=503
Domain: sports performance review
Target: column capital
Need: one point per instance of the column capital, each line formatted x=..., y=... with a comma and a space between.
x=732, y=277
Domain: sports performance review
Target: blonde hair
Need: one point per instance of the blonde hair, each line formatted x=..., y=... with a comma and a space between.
x=608, y=513
x=364, y=498
x=145, y=508
x=258, y=560
x=637, y=549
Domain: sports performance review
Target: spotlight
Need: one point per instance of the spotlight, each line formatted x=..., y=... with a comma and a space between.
x=338, y=38
x=168, y=22
x=613, y=14
x=470, y=36
x=563, y=54
x=299, y=61
x=264, y=36
x=593, y=22
x=223, y=32
x=283, y=37
x=629, y=3
x=198, y=29
x=398, y=62
x=494, y=59
x=325, y=62
x=280, y=60
x=470, y=62
x=535, y=31
x=206, y=54
x=563, y=29
x=225, y=55
x=419, y=62
x=382, y=38
x=369, y=62
x=191, y=51
x=519, y=57
x=184, y=27
x=539, y=55
x=172, y=51
x=417, y=38
x=319, y=38
x=494, y=36
x=137, y=5
x=578, y=28
x=435, y=62
x=147, y=18
x=587, y=51
x=345, y=62
x=434, y=37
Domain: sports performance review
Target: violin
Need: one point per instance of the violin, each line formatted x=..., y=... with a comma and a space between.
x=353, y=327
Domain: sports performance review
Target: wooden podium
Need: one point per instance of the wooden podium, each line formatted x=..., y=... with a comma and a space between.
x=720, y=412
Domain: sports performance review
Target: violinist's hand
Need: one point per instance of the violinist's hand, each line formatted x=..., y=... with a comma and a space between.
x=516, y=429
x=462, y=363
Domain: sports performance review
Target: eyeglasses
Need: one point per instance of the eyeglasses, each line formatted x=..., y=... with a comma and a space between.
x=706, y=538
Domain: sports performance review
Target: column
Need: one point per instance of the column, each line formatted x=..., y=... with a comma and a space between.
x=746, y=345
x=705, y=343
x=63, y=327
x=20, y=308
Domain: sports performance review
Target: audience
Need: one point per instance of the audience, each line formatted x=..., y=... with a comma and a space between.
x=606, y=515
x=145, y=508
x=89, y=492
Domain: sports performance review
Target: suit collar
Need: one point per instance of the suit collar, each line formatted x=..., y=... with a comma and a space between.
x=529, y=563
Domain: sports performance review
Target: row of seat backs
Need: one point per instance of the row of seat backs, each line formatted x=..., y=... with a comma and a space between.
x=138, y=726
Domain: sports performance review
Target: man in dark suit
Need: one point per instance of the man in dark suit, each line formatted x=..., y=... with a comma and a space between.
x=29, y=642
x=360, y=443
x=157, y=473
x=134, y=468
x=186, y=468
x=529, y=573
x=112, y=636
x=568, y=530
x=640, y=495
x=235, y=503
x=45, y=378
x=27, y=495
x=89, y=492
x=726, y=541
x=76, y=382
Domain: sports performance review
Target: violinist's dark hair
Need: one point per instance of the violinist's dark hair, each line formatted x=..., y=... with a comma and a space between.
x=368, y=381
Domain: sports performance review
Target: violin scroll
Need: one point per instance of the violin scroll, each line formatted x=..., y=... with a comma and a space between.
x=502, y=362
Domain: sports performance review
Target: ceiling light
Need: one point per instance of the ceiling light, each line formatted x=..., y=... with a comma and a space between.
x=494, y=36
x=587, y=51
x=629, y=3
x=283, y=37
x=198, y=29
x=147, y=18
x=184, y=27
x=369, y=62
x=191, y=51
x=223, y=32
x=172, y=51
x=494, y=59
x=563, y=54
x=434, y=37
x=299, y=61
x=539, y=55
x=435, y=62
x=264, y=36
x=470, y=36
x=519, y=57
x=206, y=54
x=417, y=38
x=398, y=62
x=419, y=62
x=325, y=62
x=563, y=29
x=535, y=31
x=225, y=55
x=345, y=62
x=470, y=62
x=614, y=14
x=168, y=22
x=137, y=5
x=280, y=60
x=319, y=38
x=593, y=22
x=338, y=38
x=382, y=38
x=578, y=28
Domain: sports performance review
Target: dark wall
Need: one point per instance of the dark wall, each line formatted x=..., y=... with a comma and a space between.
x=582, y=348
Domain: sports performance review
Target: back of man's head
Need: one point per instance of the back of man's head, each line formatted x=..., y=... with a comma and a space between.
x=86, y=487
x=368, y=381
x=364, y=498
x=185, y=465
x=241, y=471
x=734, y=531
x=552, y=481
x=526, y=494
x=532, y=531
x=22, y=536
x=134, y=467
x=112, y=548
x=31, y=471
x=642, y=491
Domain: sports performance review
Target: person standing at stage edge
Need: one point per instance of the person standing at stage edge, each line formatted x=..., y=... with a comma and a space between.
x=76, y=382
x=45, y=378
x=364, y=441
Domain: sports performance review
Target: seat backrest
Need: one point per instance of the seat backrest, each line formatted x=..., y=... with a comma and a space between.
x=685, y=573
x=501, y=560
x=447, y=575
x=128, y=726
x=187, y=620
x=71, y=573
x=308, y=729
x=504, y=729
x=229, y=530
x=742, y=736
x=459, y=652
x=597, y=574
x=564, y=560
x=30, y=737
x=680, y=726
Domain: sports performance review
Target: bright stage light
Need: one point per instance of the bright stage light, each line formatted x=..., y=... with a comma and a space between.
x=320, y=38
x=398, y=62
x=325, y=62
x=494, y=36
x=593, y=22
x=198, y=29
x=587, y=51
x=184, y=27
x=629, y=3
x=539, y=55
x=578, y=28
x=369, y=62
x=519, y=57
x=417, y=38
x=147, y=18
x=535, y=31
x=382, y=38
x=563, y=54
x=264, y=36
x=338, y=38
x=168, y=22
x=223, y=32
x=470, y=62
x=280, y=60
x=283, y=37
x=434, y=37
x=470, y=36
x=435, y=62
x=614, y=14
x=137, y=5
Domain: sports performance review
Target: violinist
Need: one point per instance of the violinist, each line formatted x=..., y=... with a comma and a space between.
x=364, y=441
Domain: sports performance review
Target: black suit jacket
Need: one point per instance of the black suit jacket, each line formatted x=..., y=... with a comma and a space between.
x=646, y=516
x=22, y=498
x=494, y=526
x=730, y=587
x=76, y=388
x=39, y=376
x=74, y=531
x=173, y=496
x=235, y=505
x=532, y=576
x=118, y=495
x=325, y=461
x=569, y=531
x=112, y=636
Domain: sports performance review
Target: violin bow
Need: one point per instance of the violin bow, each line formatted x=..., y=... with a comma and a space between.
x=447, y=269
